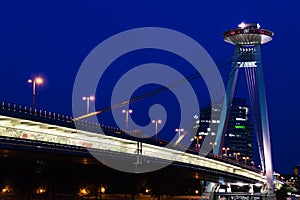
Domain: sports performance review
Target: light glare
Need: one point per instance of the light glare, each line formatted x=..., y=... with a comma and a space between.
x=92, y=98
x=38, y=80
x=242, y=25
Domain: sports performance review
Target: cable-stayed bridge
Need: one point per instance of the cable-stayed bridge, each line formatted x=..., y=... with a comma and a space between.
x=23, y=129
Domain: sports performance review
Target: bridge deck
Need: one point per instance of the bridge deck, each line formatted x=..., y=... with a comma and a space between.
x=40, y=130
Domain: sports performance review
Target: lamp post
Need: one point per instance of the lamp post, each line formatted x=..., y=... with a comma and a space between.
x=88, y=99
x=101, y=190
x=156, y=122
x=198, y=137
x=179, y=130
x=35, y=81
x=127, y=112
x=253, y=164
x=213, y=145
x=245, y=158
x=225, y=149
x=236, y=155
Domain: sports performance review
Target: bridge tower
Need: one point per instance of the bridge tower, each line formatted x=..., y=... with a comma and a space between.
x=247, y=39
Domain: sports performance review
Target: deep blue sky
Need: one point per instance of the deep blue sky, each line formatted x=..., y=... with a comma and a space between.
x=52, y=38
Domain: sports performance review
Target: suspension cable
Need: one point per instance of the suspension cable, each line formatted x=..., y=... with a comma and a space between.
x=158, y=90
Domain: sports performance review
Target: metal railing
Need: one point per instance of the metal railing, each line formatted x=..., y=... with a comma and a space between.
x=54, y=118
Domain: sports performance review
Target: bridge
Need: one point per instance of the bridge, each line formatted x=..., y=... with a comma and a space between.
x=44, y=135
x=23, y=129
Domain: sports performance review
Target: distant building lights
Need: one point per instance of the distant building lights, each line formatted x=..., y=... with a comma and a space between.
x=240, y=127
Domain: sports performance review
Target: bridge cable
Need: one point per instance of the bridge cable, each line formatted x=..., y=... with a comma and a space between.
x=158, y=90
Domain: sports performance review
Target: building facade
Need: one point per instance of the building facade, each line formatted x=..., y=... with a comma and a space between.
x=238, y=140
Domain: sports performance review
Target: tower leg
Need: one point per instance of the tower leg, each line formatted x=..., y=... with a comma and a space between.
x=224, y=117
x=264, y=122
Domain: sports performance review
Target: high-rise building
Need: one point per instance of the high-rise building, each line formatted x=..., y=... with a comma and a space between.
x=239, y=134
x=238, y=140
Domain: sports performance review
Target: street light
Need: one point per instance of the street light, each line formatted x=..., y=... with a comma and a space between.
x=245, y=158
x=156, y=122
x=127, y=112
x=236, y=155
x=83, y=191
x=40, y=190
x=213, y=145
x=88, y=99
x=7, y=189
x=101, y=190
x=259, y=167
x=179, y=130
x=225, y=149
x=35, y=81
x=198, y=137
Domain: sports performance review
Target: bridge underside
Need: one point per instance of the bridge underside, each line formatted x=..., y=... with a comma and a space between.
x=63, y=172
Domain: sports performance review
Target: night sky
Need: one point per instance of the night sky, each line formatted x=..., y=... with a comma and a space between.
x=52, y=38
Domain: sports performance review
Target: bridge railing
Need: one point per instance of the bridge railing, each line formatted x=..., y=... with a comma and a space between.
x=27, y=112
x=6, y=106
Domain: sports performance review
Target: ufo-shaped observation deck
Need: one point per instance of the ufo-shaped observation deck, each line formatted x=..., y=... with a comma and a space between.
x=248, y=34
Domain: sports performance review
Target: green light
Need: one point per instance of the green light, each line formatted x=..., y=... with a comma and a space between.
x=240, y=127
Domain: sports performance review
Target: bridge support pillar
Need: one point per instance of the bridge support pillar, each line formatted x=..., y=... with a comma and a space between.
x=210, y=190
x=139, y=158
x=269, y=194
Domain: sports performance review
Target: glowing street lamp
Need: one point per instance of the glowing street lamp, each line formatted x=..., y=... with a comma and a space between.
x=156, y=122
x=213, y=145
x=88, y=99
x=253, y=164
x=40, y=190
x=6, y=189
x=245, y=158
x=83, y=191
x=225, y=149
x=35, y=81
x=101, y=190
x=236, y=155
x=198, y=137
x=179, y=130
x=127, y=112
